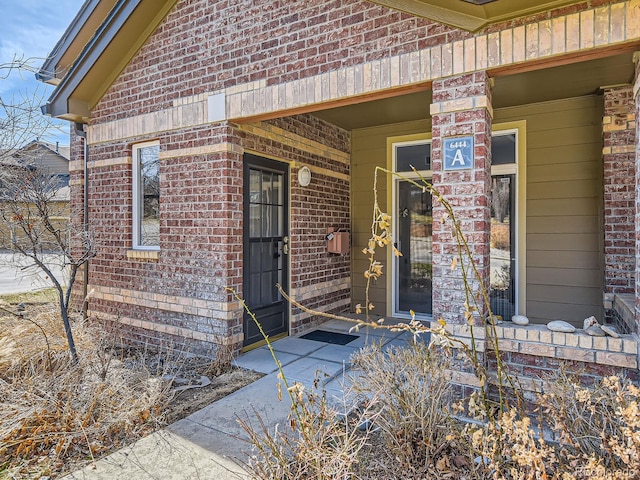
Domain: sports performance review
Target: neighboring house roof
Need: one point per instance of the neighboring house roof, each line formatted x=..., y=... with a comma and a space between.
x=53, y=157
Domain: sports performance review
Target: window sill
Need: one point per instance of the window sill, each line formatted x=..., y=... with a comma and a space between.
x=143, y=254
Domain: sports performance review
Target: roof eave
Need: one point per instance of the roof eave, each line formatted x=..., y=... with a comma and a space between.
x=104, y=52
x=47, y=72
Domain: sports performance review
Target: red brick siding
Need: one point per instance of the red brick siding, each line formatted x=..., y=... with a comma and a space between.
x=76, y=208
x=200, y=217
x=619, y=192
x=201, y=225
x=636, y=90
x=468, y=191
x=207, y=45
x=534, y=367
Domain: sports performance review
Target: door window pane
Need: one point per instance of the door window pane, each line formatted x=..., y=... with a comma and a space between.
x=415, y=266
x=503, y=149
x=502, y=291
x=418, y=156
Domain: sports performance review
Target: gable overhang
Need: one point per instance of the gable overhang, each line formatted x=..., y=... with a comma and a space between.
x=473, y=15
x=115, y=42
x=78, y=34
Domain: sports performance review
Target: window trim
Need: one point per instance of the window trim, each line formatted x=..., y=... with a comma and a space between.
x=135, y=196
x=392, y=188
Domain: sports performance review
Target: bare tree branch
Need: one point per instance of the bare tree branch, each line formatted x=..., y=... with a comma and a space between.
x=34, y=204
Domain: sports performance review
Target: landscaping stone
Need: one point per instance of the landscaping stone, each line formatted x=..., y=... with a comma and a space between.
x=589, y=322
x=561, y=326
x=595, y=331
x=610, y=330
x=520, y=320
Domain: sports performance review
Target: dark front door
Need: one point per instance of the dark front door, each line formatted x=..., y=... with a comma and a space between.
x=266, y=245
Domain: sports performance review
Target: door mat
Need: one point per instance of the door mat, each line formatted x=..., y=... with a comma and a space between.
x=329, y=337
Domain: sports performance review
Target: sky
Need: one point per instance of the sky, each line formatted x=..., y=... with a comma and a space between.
x=30, y=29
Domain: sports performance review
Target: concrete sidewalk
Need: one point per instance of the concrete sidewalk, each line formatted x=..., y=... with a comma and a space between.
x=209, y=443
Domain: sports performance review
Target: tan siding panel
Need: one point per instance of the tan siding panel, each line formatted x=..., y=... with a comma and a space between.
x=566, y=241
x=562, y=190
x=569, y=277
x=561, y=259
x=565, y=136
x=565, y=224
x=559, y=154
x=564, y=171
x=543, y=312
x=567, y=295
x=564, y=207
x=547, y=207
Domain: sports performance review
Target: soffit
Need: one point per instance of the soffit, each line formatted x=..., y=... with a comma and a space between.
x=467, y=16
x=117, y=38
x=82, y=28
x=89, y=27
x=574, y=80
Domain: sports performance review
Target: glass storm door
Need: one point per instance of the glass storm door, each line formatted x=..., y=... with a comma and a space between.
x=414, y=239
x=266, y=245
x=503, y=256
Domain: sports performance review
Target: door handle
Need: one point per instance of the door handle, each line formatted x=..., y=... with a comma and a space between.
x=285, y=245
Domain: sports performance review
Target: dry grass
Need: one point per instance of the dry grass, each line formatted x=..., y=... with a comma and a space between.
x=45, y=295
x=408, y=390
x=318, y=444
x=54, y=413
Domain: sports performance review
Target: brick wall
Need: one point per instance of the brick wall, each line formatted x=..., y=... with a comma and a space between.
x=200, y=244
x=533, y=354
x=636, y=91
x=177, y=296
x=619, y=189
x=461, y=107
x=203, y=46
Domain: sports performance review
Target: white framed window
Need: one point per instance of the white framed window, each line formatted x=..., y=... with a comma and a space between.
x=146, y=196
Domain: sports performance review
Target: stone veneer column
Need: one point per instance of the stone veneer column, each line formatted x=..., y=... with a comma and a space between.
x=619, y=163
x=636, y=97
x=461, y=107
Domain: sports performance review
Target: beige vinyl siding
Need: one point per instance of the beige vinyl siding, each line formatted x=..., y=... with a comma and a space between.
x=369, y=149
x=564, y=273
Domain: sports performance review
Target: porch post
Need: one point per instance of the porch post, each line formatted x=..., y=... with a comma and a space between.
x=619, y=161
x=636, y=98
x=461, y=162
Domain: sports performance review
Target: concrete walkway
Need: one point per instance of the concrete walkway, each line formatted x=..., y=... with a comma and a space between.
x=209, y=443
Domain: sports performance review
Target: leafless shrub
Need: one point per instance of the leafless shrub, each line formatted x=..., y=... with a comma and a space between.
x=601, y=421
x=595, y=434
x=409, y=391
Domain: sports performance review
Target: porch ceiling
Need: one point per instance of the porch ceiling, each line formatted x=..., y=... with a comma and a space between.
x=574, y=80
x=472, y=14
